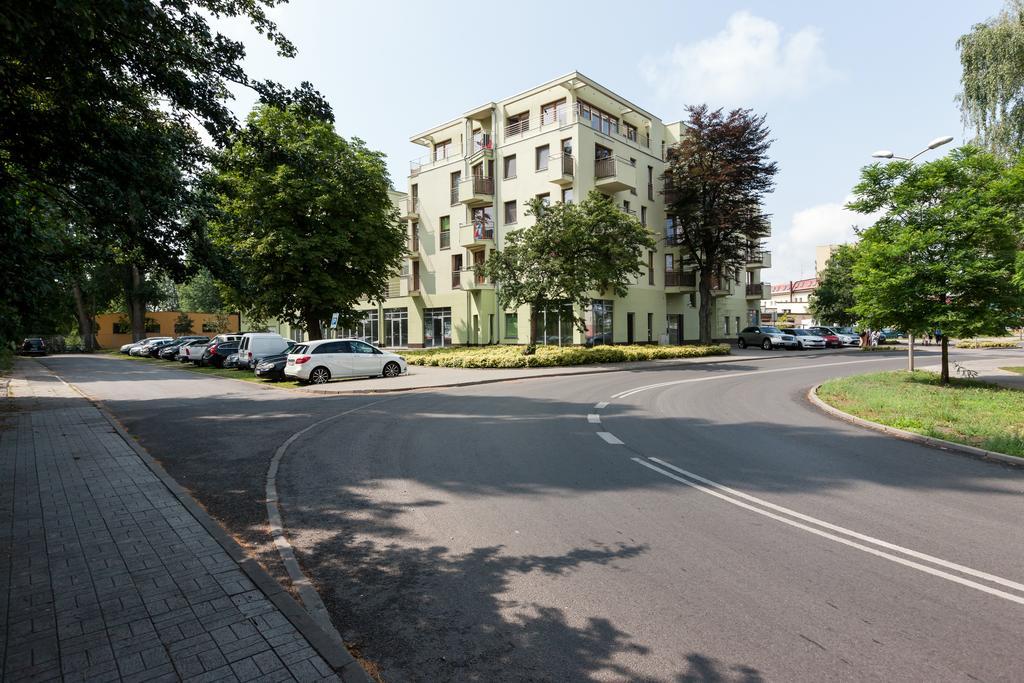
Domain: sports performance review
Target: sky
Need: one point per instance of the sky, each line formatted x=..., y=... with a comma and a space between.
x=837, y=81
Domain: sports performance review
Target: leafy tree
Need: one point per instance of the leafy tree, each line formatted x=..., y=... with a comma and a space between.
x=201, y=293
x=832, y=301
x=992, y=85
x=717, y=177
x=571, y=252
x=183, y=324
x=942, y=254
x=305, y=219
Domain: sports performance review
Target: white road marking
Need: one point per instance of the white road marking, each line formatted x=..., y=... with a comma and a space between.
x=594, y=419
x=637, y=390
x=601, y=406
x=710, y=490
x=610, y=438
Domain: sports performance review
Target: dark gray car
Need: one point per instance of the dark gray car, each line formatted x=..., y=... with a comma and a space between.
x=765, y=336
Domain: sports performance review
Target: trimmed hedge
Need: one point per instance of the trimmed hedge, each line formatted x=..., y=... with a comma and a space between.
x=971, y=344
x=552, y=356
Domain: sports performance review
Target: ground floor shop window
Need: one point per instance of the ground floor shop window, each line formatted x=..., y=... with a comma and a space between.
x=437, y=326
x=599, y=322
x=555, y=324
x=511, y=326
x=674, y=328
x=366, y=329
x=396, y=327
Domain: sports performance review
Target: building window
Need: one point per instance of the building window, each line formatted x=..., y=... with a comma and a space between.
x=599, y=120
x=456, y=271
x=396, y=327
x=510, y=212
x=567, y=195
x=545, y=198
x=567, y=147
x=643, y=216
x=366, y=329
x=625, y=206
x=542, y=153
x=511, y=326
x=518, y=123
x=446, y=231
x=650, y=183
x=669, y=263
x=553, y=112
x=599, y=328
x=650, y=267
x=650, y=327
x=456, y=178
x=726, y=328
x=414, y=246
x=510, y=166
x=437, y=326
x=443, y=150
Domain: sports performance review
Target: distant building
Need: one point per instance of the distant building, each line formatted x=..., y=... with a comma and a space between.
x=114, y=329
x=792, y=298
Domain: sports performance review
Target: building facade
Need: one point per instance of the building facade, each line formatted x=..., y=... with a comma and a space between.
x=556, y=142
x=113, y=329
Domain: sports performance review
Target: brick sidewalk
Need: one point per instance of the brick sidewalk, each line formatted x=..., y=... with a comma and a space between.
x=106, y=574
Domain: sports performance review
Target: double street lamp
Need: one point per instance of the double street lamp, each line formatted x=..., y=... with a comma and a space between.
x=886, y=154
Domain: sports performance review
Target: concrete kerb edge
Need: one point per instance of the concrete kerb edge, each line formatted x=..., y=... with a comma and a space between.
x=812, y=396
x=334, y=653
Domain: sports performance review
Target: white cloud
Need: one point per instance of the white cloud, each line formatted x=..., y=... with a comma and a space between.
x=749, y=59
x=793, y=247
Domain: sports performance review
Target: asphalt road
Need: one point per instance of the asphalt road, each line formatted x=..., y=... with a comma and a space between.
x=714, y=527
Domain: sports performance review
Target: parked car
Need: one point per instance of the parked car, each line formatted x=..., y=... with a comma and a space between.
x=832, y=339
x=765, y=336
x=847, y=335
x=153, y=350
x=170, y=352
x=889, y=335
x=33, y=346
x=142, y=348
x=215, y=354
x=805, y=339
x=272, y=367
x=125, y=348
x=254, y=346
x=320, y=361
x=192, y=352
x=231, y=362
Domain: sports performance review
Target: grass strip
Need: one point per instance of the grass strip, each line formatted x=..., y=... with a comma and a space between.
x=246, y=375
x=552, y=356
x=967, y=411
x=1018, y=369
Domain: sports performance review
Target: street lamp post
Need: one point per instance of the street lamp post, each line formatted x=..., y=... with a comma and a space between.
x=886, y=154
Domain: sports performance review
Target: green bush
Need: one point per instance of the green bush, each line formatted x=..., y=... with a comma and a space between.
x=552, y=356
x=971, y=344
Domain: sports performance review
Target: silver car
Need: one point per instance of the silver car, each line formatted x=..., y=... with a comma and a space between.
x=765, y=336
x=805, y=339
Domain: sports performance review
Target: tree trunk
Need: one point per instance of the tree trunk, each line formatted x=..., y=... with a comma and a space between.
x=84, y=322
x=136, y=300
x=534, y=308
x=704, y=312
x=312, y=326
x=944, y=377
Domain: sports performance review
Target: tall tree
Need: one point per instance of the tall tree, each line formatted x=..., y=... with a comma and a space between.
x=943, y=253
x=571, y=252
x=716, y=179
x=305, y=219
x=201, y=293
x=832, y=301
x=992, y=84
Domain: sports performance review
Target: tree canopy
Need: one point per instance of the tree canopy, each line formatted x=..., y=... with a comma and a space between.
x=572, y=251
x=832, y=301
x=943, y=253
x=304, y=219
x=717, y=177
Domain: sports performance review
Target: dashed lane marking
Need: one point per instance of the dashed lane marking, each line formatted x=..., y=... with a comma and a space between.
x=594, y=419
x=610, y=438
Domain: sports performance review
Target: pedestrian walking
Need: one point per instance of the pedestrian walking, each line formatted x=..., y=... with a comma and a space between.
x=938, y=336
x=928, y=339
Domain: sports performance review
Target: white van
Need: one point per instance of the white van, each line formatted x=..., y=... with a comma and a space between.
x=255, y=346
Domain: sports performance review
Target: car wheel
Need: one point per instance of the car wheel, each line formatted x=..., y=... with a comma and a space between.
x=392, y=369
x=800, y=345
x=742, y=343
x=766, y=345
x=320, y=375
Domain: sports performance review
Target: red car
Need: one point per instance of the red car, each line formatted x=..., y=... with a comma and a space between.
x=831, y=340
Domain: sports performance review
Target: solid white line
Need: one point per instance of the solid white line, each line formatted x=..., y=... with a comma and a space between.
x=594, y=419
x=610, y=438
x=863, y=537
x=838, y=539
x=601, y=406
x=637, y=390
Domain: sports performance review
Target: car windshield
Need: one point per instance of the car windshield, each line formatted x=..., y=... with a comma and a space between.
x=844, y=330
x=771, y=330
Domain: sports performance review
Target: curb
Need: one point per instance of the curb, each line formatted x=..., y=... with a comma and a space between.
x=812, y=396
x=329, y=646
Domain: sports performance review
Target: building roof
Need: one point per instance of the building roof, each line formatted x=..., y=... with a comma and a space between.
x=807, y=285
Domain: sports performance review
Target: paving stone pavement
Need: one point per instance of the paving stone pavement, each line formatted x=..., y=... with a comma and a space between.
x=105, y=575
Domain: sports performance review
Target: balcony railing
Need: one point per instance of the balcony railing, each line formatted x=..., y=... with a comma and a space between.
x=631, y=212
x=456, y=279
x=755, y=289
x=481, y=142
x=483, y=185
x=446, y=239
x=680, y=278
x=412, y=206
x=567, y=164
x=604, y=168
x=470, y=233
x=650, y=191
x=440, y=156
x=455, y=195
x=414, y=244
x=614, y=129
x=755, y=256
x=674, y=237
x=520, y=126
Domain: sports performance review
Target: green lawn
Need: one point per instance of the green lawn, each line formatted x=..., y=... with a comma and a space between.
x=246, y=375
x=1018, y=369
x=969, y=412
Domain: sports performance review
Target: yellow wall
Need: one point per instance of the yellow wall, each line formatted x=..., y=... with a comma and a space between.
x=108, y=339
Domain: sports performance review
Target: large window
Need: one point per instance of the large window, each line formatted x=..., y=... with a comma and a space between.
x=567, y=195
x=554, y=324
x=456, y=178
x=599, y=325
x=437, y=327
x=443, y=150
x=510, y=166
x=542, y=154
x=511, y=326
x=510, y=212
x=674, y=328
x=446, y=231
x=599, y=120
x=366, y=329
x=553, y=112
x=396, y=327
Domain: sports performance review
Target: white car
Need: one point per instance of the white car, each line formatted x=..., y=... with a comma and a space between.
x=847, y=336
x=805, y=339
x=136, y=349
x=317, y=362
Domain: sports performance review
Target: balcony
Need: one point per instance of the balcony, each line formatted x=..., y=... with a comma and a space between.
x=471, y=282
x=456, y=279
x=759, y=290
x=517, y=128
x=410, y=209
x=759, y=258
x=411, y=286
x=482, y=145
x=561, y=169
x=441, y=156
x=613, y=129
x=475, y=191
x=413, y=245
x=614, y=174
x=720, y=286
x=476, y=235
x=677, y=281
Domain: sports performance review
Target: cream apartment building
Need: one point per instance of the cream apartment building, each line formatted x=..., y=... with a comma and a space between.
x=557, y=141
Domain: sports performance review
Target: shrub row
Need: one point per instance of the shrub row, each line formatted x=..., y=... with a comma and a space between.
x=552, y=356
x=971, y=344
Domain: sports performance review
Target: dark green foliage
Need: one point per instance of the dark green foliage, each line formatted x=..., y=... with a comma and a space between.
x=832, y=302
